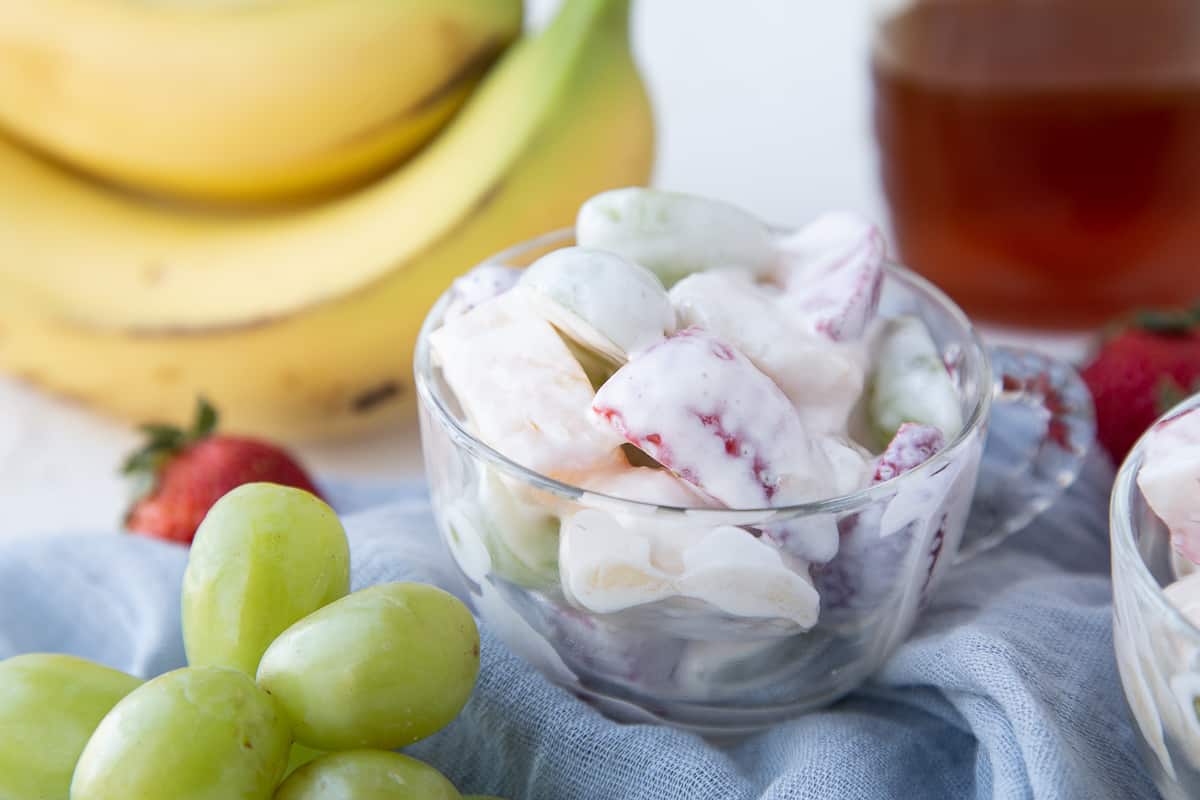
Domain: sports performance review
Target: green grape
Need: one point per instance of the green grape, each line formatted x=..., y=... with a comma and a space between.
x=597, y=368
x=674, y=234
x=380, y=668
x=264, y=557
x=910, y=383
x=199, y=733
x=521, y=537
x=49, y=706
x=300, y=756
x=367, y=775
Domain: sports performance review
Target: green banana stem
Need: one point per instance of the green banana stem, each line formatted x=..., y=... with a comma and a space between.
x=594, y=15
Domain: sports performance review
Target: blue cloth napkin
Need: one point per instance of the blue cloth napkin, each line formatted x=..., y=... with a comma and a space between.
x=1007, y=689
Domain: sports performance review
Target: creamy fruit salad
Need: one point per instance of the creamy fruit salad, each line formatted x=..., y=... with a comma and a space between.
x=685, y=356
x=1159, y=654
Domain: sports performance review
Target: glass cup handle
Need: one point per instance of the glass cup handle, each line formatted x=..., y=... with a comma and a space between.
x=1041, y=428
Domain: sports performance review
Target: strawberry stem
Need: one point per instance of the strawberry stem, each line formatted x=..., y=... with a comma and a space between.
x=1168, y=394
x=164, y=441
x=1168, y=323
x=206, y=420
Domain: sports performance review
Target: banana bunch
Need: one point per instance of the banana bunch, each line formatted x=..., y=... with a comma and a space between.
x=297, y=318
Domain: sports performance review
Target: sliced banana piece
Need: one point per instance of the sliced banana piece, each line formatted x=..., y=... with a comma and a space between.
x=600, y=300
x=823, y=379
x=675, y=234
x=498, y=351
x=910, y=382
x=606, y=567
x=742, y=575
x=610, y=562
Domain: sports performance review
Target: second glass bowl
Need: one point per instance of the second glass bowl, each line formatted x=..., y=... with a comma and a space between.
x=1157, y=648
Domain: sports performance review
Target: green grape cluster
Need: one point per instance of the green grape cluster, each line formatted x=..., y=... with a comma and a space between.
x=295, y=689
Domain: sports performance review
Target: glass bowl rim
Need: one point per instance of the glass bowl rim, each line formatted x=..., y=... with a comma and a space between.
x=1120, y=519
x=423, y=369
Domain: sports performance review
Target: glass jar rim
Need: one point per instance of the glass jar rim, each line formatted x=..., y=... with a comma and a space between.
x=431, y=396
x=1120, y=521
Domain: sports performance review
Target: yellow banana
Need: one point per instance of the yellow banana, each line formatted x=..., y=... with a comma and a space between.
x=243, y=100
x=309, y=324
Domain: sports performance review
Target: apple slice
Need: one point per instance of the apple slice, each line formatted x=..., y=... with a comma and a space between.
x=675, y=234
x=502, y=350
x=600, y=300
x=823, y=379
x=832, y=273
x=704, y=411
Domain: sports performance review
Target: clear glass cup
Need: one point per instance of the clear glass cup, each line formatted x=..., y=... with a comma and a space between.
x=691, y=665
x=1158, y=649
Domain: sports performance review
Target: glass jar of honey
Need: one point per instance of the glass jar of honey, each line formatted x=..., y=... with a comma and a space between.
x=1041, y=158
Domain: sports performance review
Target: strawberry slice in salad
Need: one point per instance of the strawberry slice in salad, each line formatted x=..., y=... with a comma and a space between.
x=833, y=273
x=912, y=446
x=701, y=409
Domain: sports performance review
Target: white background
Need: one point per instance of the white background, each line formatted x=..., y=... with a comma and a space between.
x=761, y=102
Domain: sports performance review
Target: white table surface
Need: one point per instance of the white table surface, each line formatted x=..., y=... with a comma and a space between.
x=762, y=102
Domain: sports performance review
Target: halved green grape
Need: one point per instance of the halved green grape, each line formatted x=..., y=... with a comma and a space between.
x=300, y=756
x=49, y=707
x=607, y=304
x=367, y=775
x=264, y=557
x=199, y=733
x=521, y=537
x=381, y=668
x=674, y=234
x=597, y=368
x=910, y=383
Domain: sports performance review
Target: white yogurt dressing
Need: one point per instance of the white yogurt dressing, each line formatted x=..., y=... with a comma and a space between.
x=744, y=390
x=823, y=379
x=1169, y=478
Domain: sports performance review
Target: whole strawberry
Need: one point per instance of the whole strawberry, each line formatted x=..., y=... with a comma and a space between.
x=1140, y=371
x=179, y=474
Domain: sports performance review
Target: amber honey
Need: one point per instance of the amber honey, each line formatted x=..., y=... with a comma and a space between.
x=1041, y=158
